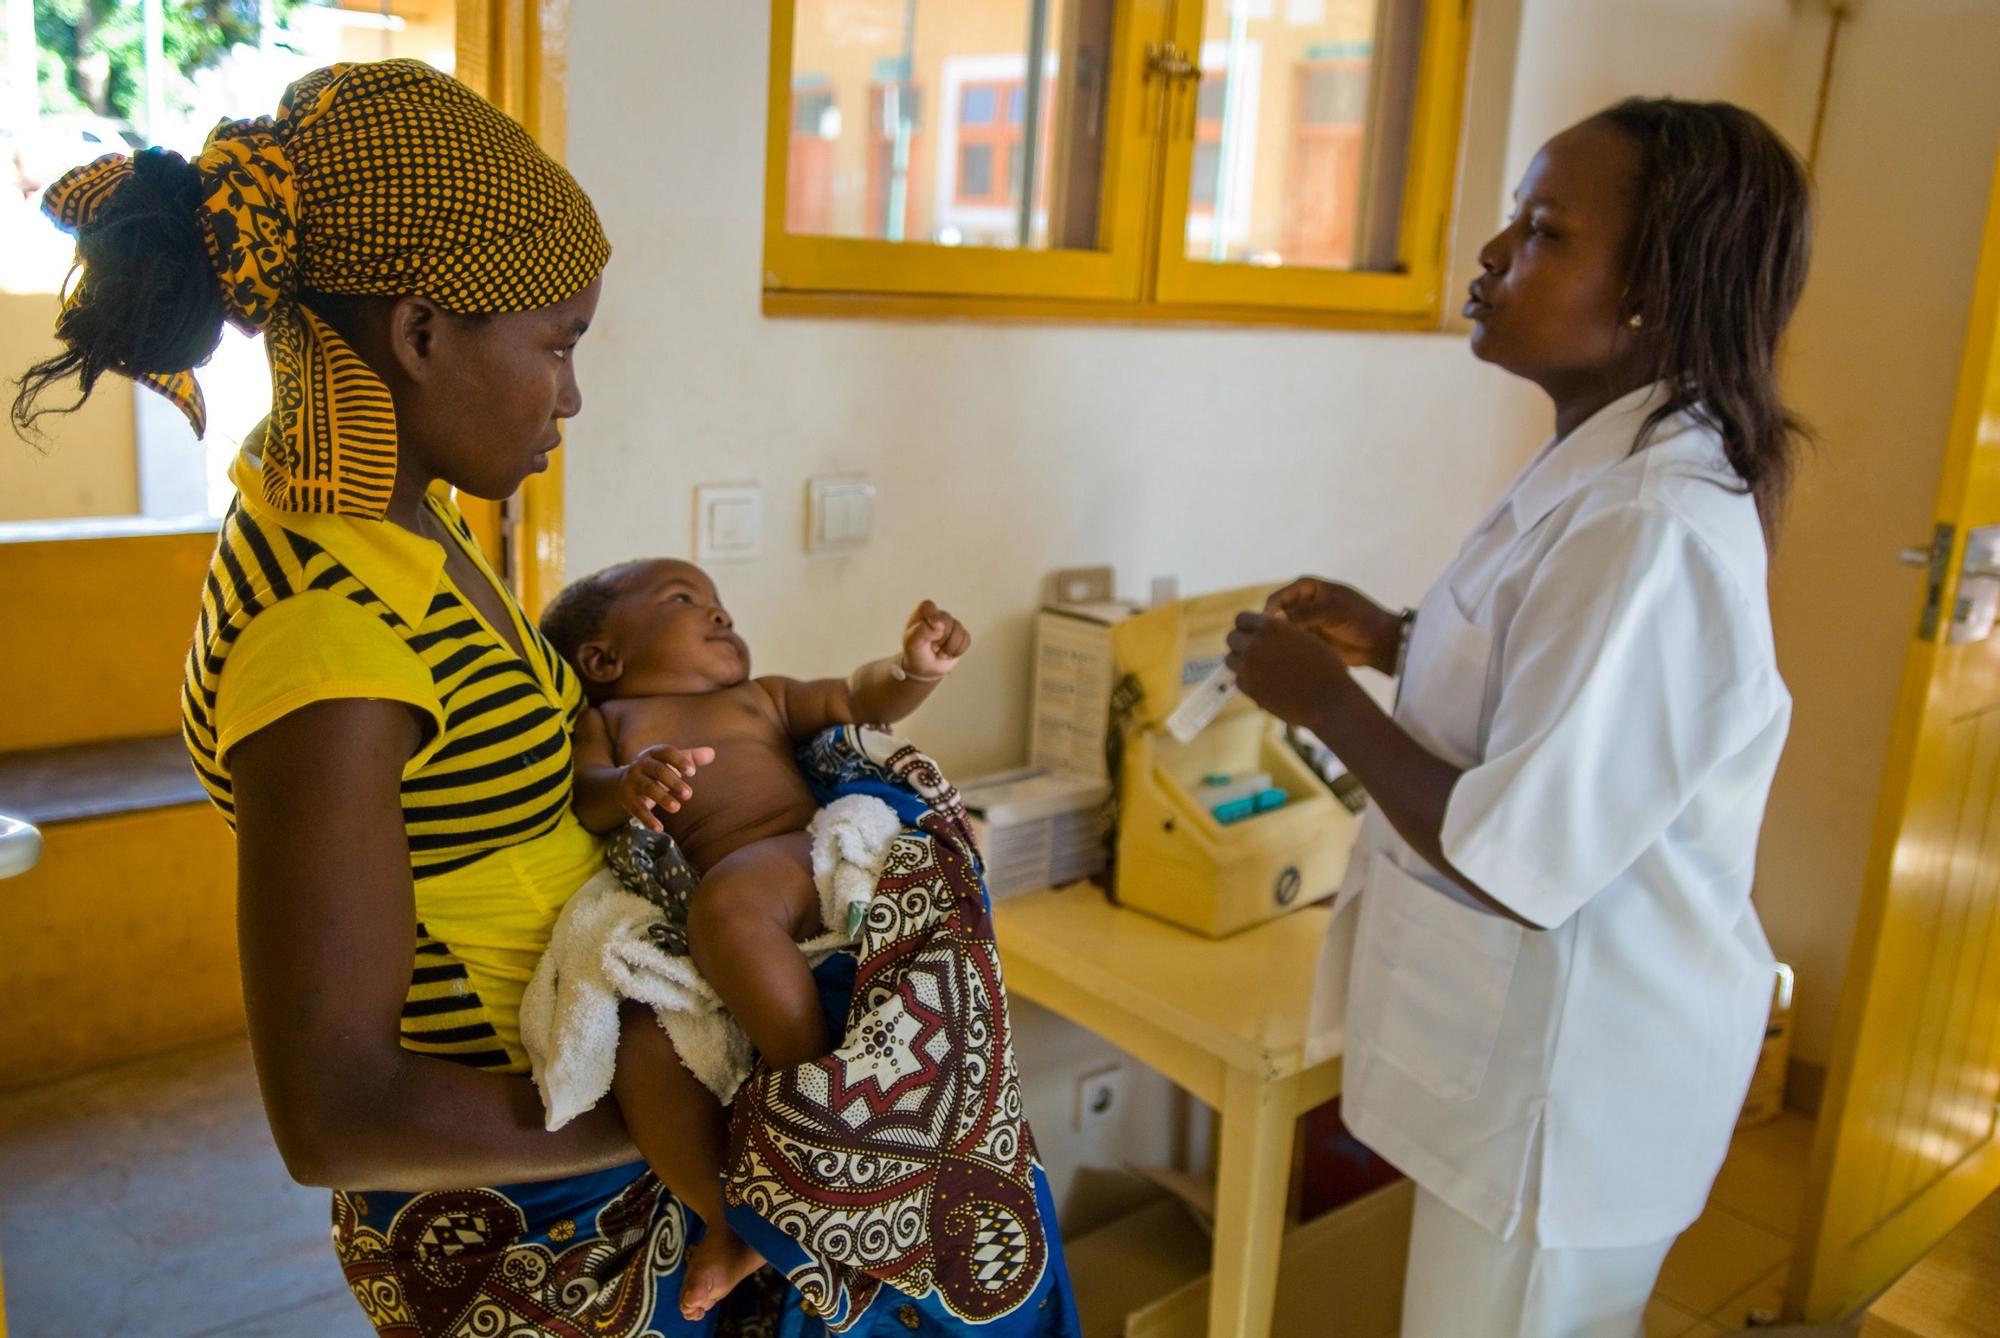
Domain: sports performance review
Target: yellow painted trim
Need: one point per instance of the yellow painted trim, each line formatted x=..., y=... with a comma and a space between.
x=1434, y=133
x=516, y=53
x=1140, y=275
x=1044, y=311
x=832, y=264
x=777, y=135
x=1127, y=209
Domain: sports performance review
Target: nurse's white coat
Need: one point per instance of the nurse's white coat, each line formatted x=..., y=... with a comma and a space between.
x=1599, y=658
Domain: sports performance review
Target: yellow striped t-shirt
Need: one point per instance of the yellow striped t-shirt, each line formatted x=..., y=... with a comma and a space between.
x=299, y=608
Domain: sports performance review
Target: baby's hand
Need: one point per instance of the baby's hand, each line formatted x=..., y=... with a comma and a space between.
x=933, y=642
x=656, y=781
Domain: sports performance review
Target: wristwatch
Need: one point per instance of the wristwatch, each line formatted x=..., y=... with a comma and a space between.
x=1407, y=623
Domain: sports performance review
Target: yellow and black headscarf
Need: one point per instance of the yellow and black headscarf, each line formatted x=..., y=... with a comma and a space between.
x=381, y=179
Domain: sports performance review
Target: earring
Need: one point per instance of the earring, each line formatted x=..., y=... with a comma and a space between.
x=1635, y=320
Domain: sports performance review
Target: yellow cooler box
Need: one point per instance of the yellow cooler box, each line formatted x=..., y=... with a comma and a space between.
x=1176, y=858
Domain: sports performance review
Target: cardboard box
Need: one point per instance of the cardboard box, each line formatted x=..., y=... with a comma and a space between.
x=1075, y=671
x=1146, y=1274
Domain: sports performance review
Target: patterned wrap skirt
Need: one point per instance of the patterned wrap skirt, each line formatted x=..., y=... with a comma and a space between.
x=602, y=1255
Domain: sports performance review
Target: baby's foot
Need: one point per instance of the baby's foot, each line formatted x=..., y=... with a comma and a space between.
x=714, y=1267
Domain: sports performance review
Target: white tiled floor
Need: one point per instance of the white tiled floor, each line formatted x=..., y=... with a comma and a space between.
x=147, y=1201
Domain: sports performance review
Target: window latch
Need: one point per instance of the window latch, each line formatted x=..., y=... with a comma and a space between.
x=1169, y=64
x=1168, y=61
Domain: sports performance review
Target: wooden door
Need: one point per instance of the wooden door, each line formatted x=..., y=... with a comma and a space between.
x=1906, y=1145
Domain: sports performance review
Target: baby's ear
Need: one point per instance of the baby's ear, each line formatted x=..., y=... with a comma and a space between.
x=598, y=662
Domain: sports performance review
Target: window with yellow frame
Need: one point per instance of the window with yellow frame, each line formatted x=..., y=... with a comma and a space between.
x=1263, y=160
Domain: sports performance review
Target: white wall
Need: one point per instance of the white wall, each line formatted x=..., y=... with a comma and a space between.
x=1578, y=56
x=1220, y=456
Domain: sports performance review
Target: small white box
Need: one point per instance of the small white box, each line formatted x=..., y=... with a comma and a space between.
x=1075, y=671
x=1038, y=827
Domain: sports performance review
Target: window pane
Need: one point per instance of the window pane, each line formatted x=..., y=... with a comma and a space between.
x=1335, y=94
x=809, y=109
x=978, y=109
x=975, y=172
x=893, y=104
x=1299, y=155
x=1214, y=88
x=860, y=164
x=1207, y=160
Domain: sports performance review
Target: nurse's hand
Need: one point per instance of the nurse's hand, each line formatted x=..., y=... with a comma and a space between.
x=1360, y=631
x=1284, y=668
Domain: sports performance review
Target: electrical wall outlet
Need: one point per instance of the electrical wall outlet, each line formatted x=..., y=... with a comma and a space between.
x=1100, y=1095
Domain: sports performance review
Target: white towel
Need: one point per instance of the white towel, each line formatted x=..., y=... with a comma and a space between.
x=851, y=841
x=601, y=952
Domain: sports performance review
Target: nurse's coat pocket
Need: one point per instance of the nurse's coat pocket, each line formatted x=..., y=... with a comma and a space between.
x=1434, y=974
x=1441, y=699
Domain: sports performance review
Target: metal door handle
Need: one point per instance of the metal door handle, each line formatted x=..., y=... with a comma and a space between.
x=1921, y=558
x=20, y=846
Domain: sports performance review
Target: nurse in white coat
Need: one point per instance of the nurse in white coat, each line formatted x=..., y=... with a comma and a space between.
x=1547, y=973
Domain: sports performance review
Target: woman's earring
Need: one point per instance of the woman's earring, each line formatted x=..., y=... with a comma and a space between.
x=1635, y=320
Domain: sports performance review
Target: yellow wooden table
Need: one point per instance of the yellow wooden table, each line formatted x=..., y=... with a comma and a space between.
x=1223, y=1018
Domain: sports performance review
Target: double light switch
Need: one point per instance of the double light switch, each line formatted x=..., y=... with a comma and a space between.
x=840, y=512
x=729, y=517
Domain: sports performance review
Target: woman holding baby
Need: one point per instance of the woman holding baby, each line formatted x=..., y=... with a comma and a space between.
x=369, y=707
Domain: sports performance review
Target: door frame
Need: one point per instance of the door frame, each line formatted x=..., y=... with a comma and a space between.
x=516, y=54
x=1842, y=1261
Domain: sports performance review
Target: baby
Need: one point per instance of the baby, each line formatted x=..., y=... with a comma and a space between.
x=671, y=697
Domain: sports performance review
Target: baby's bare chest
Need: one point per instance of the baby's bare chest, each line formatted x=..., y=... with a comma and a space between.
x=735, y=715
x=751, y=789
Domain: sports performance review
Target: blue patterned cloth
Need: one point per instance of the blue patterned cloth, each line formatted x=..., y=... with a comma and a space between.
x=603, y=1255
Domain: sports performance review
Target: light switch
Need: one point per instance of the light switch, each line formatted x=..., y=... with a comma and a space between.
x=840, y=512
x=728, y=522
